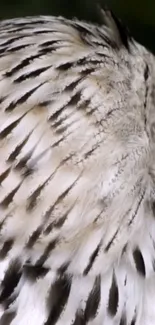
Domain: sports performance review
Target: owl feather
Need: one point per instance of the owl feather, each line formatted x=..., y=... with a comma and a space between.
x=77, y=174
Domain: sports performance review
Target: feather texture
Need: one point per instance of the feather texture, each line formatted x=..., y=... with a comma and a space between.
x=77, y=212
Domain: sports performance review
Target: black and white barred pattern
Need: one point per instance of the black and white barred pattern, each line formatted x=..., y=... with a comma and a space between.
x=77, y=180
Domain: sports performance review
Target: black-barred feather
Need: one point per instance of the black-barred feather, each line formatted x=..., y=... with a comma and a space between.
x=77, y=178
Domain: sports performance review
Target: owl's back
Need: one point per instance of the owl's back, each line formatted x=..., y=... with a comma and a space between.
x=76, y=174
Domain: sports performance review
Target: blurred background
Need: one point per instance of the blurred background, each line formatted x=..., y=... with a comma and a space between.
x=139, y=15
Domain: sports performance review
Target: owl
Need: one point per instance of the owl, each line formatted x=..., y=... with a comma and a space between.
x=77, y=173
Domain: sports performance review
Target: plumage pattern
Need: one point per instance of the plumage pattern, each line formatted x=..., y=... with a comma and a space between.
x=77, y=211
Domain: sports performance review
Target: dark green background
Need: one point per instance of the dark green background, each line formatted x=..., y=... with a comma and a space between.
x=139, y=15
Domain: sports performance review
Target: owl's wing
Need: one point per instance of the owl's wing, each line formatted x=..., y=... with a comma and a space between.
x=74, y=183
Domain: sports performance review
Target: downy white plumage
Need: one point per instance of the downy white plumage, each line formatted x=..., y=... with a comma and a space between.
x=77, y=178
